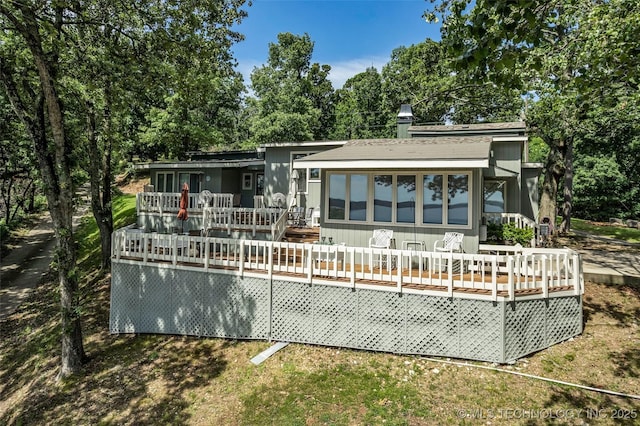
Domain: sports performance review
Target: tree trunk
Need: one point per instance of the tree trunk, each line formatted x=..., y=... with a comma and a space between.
x=553, y=171
x=100, y=180
x=567, y=208
x=55, y=167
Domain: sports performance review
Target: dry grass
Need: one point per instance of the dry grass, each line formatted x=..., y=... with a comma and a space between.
x=150, y=379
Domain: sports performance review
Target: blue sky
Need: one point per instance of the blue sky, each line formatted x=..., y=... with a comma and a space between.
x=349, y=35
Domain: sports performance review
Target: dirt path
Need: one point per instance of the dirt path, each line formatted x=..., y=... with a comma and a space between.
x=28, y=260
x=23, y=268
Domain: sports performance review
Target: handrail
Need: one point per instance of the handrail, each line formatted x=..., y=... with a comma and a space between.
x=536, y=272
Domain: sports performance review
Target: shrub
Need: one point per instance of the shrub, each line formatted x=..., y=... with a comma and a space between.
x=522, y=236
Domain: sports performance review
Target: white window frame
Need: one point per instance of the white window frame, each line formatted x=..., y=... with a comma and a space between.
x=294, y=155
x=418, y=200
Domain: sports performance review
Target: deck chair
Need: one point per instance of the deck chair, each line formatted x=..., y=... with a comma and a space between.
x=452, y=241
x=383, y=239
x=296, y=216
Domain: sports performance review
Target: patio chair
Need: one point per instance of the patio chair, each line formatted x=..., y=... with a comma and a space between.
x=383, y=239
x=452, y=241
x=296, y=216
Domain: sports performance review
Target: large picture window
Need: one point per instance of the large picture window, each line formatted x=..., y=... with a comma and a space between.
x=428, y=199
x=406, y=199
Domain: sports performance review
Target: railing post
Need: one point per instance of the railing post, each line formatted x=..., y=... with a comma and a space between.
x=241, y=265
x=352, y=266
x=545, y=278
x=399, y=271
x=577, y=275
x=269, y=246
x=174, y=249
x=145, y=248
x=207, y=251
x=511, y=281
x=309, y=263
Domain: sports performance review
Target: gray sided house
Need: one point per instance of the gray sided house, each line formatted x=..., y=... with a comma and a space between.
x=234, y=272
x=430, y=180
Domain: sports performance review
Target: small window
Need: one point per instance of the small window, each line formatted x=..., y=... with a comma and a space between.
x=337, y=196
x=164, y=182
x=495, y=196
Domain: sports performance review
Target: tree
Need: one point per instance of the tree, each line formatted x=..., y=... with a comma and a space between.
x=421, y=75
x=293, y=99
x=564, y=51
x=30, y=103
x=79, y=64
x=359, y=109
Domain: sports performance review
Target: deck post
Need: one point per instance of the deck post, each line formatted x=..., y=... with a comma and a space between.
x=207, y=252
x=352, y=266
x=545, y=278
x=310, y=263
x=145, y=248
x=241, y=263
x=269, y=255
x=174, y=249
x=399, y=271
x=577, y=282
x=511, y=280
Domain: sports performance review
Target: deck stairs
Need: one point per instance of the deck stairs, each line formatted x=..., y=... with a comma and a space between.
x=300, y=235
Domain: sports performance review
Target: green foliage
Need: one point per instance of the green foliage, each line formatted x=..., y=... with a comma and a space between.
x=294, y=99
x=598, y=185
x=498, y=232
x=522, y=236
x=494, y=232
x=88, y=235
x=359, y=108
x=631, y=235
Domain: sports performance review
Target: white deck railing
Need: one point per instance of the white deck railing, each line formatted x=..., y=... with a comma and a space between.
x=169, y=202
x=254, y=220
x=526, y=273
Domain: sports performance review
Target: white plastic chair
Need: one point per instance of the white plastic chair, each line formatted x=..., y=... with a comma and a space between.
x=452, y=241
x=383, y=239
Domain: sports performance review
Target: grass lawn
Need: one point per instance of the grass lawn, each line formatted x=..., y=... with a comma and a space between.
x=630, y=235
x=148, y=379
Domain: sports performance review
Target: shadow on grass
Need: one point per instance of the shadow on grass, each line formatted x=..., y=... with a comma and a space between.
x=143, y=379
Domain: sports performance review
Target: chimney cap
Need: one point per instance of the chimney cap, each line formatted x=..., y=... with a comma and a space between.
x=405, y=111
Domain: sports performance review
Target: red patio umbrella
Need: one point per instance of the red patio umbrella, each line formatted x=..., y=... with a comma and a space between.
x=184, y=203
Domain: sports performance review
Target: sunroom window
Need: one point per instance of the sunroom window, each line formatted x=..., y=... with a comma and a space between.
x=396, y=198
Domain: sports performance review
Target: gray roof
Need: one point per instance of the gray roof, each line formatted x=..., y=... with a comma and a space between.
x=444, y=151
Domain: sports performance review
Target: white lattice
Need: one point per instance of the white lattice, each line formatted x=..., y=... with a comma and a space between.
x=292, y=316
x=431, y=325
x=480, y=330
x=524, y=328
x=334, y=311
x=380, y=321
x=125, y=298
x=564, y=318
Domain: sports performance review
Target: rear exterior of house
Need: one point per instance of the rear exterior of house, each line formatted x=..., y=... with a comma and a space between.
x=243, y=282
x=437, y=179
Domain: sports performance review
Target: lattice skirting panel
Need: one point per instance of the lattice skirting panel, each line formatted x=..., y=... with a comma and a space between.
x=149, y=299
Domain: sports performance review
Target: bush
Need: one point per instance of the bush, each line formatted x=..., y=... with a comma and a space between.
x=497, y=232
x=522, y=236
